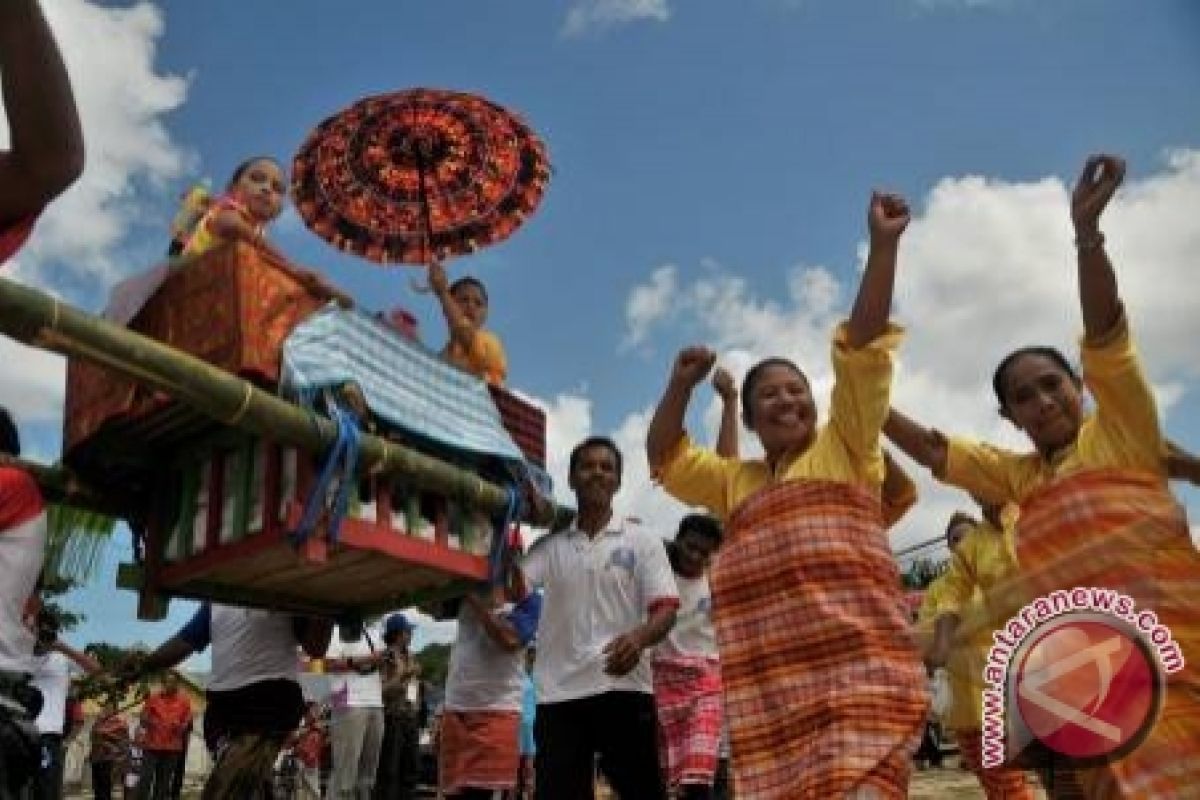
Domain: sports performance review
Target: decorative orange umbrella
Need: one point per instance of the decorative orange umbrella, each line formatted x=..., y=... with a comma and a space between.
x=412, y=175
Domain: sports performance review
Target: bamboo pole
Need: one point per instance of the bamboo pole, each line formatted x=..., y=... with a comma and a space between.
x=38, y=319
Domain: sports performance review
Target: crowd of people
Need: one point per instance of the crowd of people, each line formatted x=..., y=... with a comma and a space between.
x=776, y=624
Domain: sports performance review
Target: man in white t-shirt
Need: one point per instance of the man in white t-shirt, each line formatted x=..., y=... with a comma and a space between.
x=610, y=596
x=357, y=724
x=254, y=698
x=687, y=671
x=479, y=751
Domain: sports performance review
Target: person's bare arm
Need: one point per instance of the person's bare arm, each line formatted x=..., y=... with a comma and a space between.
x=727, y=434
x=47, y=151
x=887, y=217
x=85, y=661
x=666, y=427
x=924, y=445
x=498, y=629
x=1099, y=298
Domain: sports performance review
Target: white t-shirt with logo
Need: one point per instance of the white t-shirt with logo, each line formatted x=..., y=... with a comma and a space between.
x=350, y=689
x=693, y=634
x=596, y=589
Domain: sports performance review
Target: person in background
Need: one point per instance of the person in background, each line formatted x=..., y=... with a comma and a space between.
x=687, y=670
x=165, y=721
x=109, y=753
x=52, y=664
x=396, y=777
x=479, y=752
x=357, y=726
x=528, y=747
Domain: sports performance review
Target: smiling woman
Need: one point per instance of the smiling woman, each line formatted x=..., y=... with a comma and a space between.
x=806, y=595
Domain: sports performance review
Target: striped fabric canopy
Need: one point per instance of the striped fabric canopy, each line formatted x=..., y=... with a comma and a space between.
x=404, y=384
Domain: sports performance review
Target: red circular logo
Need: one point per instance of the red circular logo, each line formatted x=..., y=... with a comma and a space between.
x=1087, y=687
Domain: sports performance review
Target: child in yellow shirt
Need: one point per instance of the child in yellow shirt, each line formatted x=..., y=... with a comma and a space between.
x=471, y=347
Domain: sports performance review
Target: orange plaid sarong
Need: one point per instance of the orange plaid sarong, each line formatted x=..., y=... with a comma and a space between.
x=478, y=750
x=1122, y=530
x=1002, y=783
x=825, y=694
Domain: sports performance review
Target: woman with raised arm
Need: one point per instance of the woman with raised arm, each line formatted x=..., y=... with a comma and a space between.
x=823, y=686
x=1095, y=507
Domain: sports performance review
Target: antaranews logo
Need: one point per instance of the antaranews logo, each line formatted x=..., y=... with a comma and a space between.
x=1075, y=676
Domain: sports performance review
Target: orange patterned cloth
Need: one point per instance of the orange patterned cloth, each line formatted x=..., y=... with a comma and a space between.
x=478, y=750
x=1001, y=783
x=1121, y=529
x=824, y=690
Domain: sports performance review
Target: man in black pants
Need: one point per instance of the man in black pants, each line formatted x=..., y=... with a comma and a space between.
x=609, y=595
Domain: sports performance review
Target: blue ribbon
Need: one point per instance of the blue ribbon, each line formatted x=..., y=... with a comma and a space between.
x=500, y=536
x=343, y=454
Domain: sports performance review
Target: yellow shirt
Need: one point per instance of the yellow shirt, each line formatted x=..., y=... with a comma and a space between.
x=485, y=358
x=1123, y=432
x=984, y=559
x=965, y=664
x=846, y=449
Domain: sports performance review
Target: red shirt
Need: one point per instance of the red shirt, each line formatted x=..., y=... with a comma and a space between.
x=165, y=722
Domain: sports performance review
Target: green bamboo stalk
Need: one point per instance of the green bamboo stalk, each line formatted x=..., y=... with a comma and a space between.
x=40, y=320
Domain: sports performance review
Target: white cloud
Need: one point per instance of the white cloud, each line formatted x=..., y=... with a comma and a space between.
x=988, y=266
x=649, y=304
x=597, y=15
x=122, y=102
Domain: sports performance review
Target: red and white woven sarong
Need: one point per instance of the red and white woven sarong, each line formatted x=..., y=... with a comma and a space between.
x=687, y=691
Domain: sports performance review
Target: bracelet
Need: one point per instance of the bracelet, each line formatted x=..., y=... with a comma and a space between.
x=1092, y=241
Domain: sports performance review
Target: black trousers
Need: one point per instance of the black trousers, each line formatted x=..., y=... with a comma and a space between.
x=102, y=779
x=399, y=758
x=621, y=728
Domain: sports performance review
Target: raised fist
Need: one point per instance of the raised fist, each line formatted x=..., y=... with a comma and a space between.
x=723, y=384
x=1101, y=176
x=887, y=216
x=692, y=365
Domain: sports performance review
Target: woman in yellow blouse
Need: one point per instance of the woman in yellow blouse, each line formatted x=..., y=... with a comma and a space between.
x=824, y=690
x=1095, y=509
x=981, y=558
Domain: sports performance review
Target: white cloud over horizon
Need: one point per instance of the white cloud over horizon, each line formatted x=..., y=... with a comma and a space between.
x=592, y=16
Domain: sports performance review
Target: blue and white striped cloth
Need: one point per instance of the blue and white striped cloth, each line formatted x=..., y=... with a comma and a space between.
x=404, y=384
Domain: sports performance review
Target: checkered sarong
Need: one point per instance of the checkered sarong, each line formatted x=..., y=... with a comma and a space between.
x=824, y=690
x=1000, y=783
x=687, y=692
x=1122, y=530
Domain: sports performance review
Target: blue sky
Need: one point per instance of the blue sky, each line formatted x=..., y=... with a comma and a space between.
x=713, y=160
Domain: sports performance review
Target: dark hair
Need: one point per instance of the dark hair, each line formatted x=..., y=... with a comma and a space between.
x=1051, y=353
x=588, y=444
x=470, y=281
x=10, y=440
x=701, y=525
x=959, y=518
x=755, y=375
x=241, y=168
